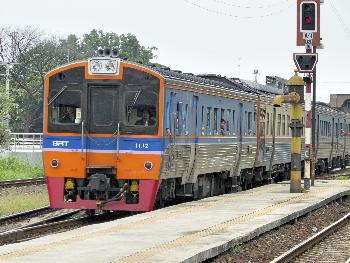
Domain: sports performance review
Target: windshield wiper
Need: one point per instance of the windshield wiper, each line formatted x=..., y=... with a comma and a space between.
x=134, y=101
x=57, y=94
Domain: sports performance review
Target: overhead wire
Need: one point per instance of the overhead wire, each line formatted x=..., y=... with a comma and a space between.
x=250, y=6
x=217, y=12
x=340, y=19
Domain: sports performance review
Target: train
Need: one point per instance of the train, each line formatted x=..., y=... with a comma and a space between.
x=120, y=135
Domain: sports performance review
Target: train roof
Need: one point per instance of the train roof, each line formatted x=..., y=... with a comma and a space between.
x=234, y=84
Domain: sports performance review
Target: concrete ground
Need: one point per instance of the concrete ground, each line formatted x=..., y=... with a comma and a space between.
x=190, y=232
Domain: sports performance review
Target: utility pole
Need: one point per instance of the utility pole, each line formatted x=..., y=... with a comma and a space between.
x=239, y=67
x=7, y=66
x=256, y=73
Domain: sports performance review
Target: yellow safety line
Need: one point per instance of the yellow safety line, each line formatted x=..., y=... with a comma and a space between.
x=184, y=240
x=118, y=228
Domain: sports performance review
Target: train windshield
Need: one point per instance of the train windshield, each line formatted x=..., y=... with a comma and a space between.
x=65, y=107
x=140, y=110
x=103, y=105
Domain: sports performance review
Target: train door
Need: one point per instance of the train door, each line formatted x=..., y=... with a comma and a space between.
x=194, y=132
x=240, y=131
x=260, y=133
x=102, y=120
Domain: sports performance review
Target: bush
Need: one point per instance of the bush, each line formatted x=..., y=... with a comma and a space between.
x=4, y=138
x=12, y=168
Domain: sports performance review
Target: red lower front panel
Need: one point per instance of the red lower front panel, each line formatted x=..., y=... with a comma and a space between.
x=147, y=195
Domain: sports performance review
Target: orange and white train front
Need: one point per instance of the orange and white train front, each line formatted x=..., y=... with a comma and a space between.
x=102, y=135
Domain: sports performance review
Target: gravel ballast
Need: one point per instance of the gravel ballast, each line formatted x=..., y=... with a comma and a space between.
x=274, y=243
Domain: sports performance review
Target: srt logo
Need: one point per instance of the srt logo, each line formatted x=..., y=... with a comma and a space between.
x=60, y=143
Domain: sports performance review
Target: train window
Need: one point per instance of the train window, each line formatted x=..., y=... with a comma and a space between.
x=215, y=121
x=323, y=125
x=233, y=123
x=336, y=130
x=323, y=128
x=279, y=125
x=288, y=129
x=141, y=108
x=178, y=127
x=273, y=122
x=341, y=128
x=250, y=126
x=267, y=123
x=228, y=122
x=283, y=125
x=208, y=125
x=202, y=122
x=167, y=115
x=65, y=107
x=102, y=107
x=185, y=120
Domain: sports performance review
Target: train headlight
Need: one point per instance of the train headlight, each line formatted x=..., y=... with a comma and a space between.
x=95, y=66
x=103, y=66
x=54, y=163
x=148, y=165
x=110, y=66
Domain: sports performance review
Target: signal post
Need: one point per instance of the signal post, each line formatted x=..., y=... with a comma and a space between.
x=308, y=34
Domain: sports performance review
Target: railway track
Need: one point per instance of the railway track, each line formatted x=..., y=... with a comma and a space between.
x=36, y=228
x=22, y=182
x=332, y=244
x=25, y=214
x=55, y=225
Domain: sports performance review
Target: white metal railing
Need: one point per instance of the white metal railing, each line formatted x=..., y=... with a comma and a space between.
x=26, y=141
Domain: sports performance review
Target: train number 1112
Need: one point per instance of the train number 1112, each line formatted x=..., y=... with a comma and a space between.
x=141, y=145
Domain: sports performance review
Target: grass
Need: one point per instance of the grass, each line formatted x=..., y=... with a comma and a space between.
x=343, y=177
x=13, y=201
x=13, y=168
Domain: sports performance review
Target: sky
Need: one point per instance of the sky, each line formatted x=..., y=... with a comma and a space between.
x=227, y=37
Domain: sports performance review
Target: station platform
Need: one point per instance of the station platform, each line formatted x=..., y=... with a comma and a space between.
x=189, y=232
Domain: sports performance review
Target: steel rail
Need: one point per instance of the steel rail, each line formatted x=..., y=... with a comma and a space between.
x=16, y=216
x=48, y=227
x=41, y=227
x=312, y=241
x=22, y=182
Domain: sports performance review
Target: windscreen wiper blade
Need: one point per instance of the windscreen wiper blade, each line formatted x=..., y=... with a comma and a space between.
x=57, y=94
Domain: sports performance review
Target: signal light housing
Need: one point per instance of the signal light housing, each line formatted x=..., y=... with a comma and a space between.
x=308, y=16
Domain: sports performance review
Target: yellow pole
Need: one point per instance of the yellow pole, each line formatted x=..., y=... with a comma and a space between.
x=296, y=126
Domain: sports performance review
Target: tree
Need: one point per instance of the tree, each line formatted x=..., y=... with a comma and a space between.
x=127, y=45
x=29, y=76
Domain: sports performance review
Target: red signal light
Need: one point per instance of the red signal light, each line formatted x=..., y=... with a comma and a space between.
x=308, y=20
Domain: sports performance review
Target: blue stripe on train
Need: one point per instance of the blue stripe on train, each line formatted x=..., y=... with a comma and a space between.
x=127, y=144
